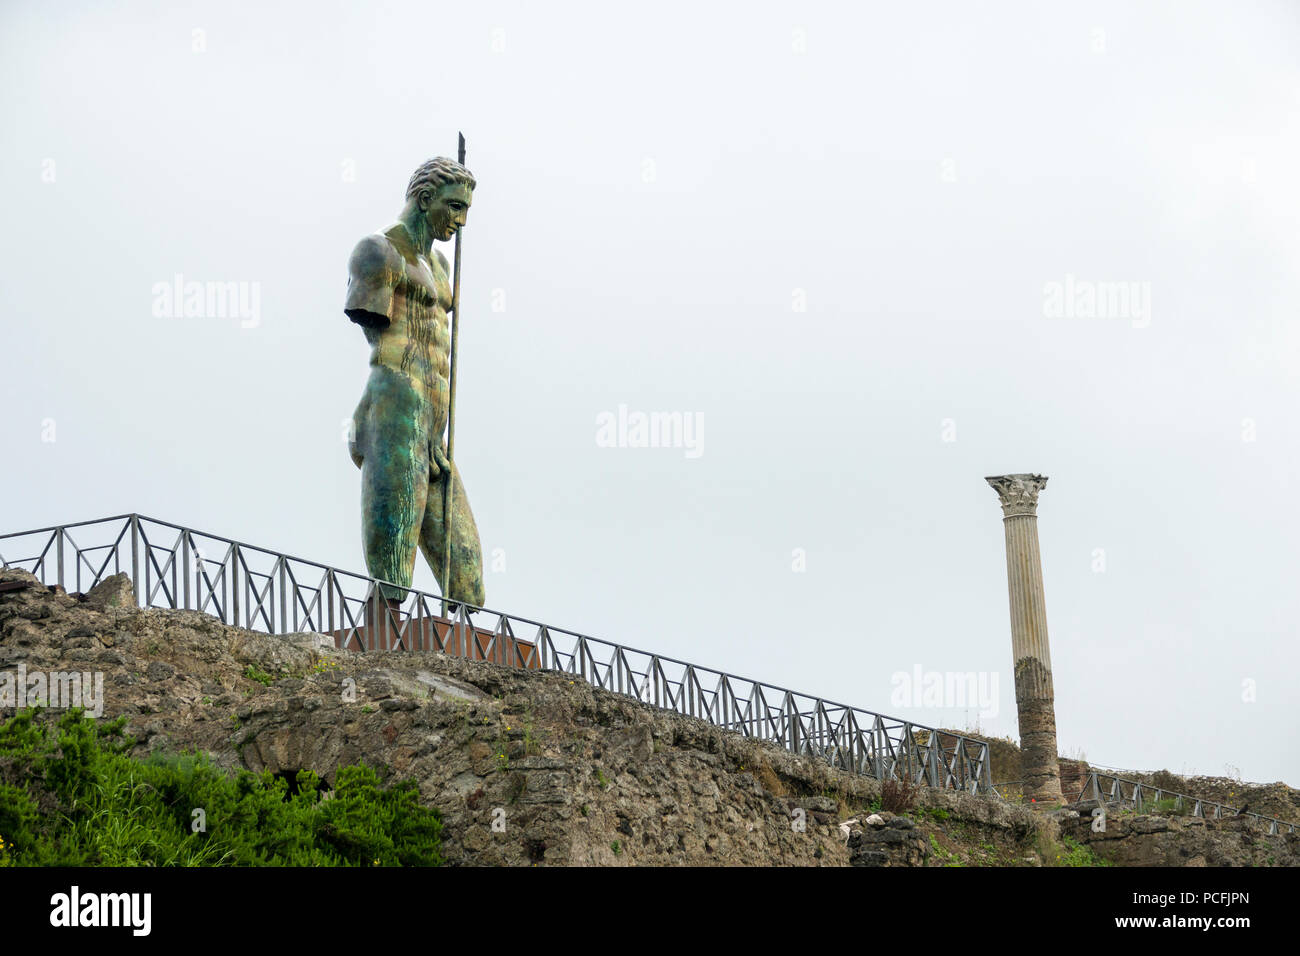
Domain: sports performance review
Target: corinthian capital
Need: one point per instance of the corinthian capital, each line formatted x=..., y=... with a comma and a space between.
x=1018, y=493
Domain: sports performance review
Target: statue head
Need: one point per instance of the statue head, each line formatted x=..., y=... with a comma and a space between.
x=442, y=190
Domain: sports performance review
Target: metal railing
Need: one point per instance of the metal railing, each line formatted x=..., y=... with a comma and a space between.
x=254, y=588
x=1131, y=793
x=1126, y=793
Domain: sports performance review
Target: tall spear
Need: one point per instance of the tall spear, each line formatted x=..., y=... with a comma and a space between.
x=451, y=409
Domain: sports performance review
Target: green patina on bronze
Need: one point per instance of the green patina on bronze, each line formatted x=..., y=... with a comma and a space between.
x=400, y=293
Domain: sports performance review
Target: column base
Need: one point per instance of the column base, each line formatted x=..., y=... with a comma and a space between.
x=1039, y=762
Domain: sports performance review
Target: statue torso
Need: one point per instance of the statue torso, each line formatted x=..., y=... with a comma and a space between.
x=417, y=340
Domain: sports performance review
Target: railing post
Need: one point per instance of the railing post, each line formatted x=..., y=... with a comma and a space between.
x=135, y=558
x=329, y=590
x=463, y=638
x=284, y=604
x=234, y=585
x=59, y=554
x=185, y=565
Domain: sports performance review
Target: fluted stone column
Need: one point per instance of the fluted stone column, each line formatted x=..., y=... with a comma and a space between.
x=1033, y=663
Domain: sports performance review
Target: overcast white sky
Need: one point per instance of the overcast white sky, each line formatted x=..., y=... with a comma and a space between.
x=661, y=188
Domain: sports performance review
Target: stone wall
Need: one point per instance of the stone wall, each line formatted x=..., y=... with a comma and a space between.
x=526, y=767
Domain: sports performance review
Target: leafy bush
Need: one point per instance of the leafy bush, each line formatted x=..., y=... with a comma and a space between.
x=1076, y=854
x=1169, y=806
x=85, y=802
x=253, y=672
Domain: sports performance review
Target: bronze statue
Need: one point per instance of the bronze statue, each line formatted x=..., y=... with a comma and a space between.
x=400, y=293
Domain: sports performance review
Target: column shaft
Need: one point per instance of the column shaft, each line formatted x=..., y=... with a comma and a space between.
x=1029, y=645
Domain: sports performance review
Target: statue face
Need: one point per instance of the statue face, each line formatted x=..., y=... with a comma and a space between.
x=446, y=209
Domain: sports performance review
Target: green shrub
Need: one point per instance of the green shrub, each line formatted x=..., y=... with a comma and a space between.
x=87, y=803
x=1169, y=806
x=1076, y=854
x=253, y=672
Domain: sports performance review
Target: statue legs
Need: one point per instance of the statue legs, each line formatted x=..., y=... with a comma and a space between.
x=466, y=553
x=401, y=508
